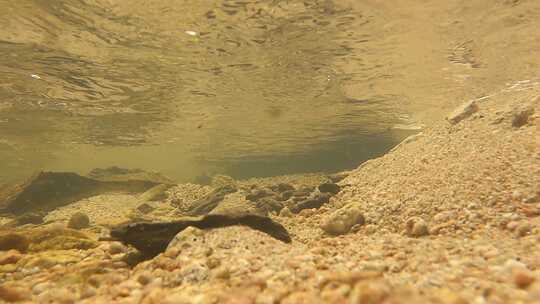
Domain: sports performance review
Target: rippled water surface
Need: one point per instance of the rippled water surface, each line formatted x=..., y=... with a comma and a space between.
x=191, y=87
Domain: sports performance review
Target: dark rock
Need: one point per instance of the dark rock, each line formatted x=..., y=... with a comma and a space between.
x=316, y=201
x=34, y=218
x=49, y=190
x=13, y=240
x=282, y=187
x=267, y=204
x=153, y=238
x=210, y=201
x=285, y=195
x=79, y=220
x=520, y=116
x=257, y=194
x=329, y=188
x=145, y=208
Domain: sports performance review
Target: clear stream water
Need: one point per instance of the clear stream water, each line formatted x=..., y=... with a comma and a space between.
x=246, y=88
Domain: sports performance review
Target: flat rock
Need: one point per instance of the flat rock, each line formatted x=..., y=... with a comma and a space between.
x=46, y=191
x=462, y=112
x=210, y=201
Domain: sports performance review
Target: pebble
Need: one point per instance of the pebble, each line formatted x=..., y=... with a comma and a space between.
x=523, y=278
x=10, y=257
x=79, y=220
x=342, y=220
x=116, y=248
x=285, y=212
x=15, y=241
x=523, y=229
x=416, y=227
x=13, y=294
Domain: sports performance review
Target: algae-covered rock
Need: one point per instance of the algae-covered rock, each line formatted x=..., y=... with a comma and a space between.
x=59, y=238
x=79, y=220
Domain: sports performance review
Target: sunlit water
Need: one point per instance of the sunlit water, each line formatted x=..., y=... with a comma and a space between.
x=246, y=88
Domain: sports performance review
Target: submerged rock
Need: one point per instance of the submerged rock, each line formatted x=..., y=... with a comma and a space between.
x=329, y=188
x=316, y=201
x=462, y=112
x=34, y=218
x=416, y=227
x=210, y=201
x=79, y=220
x=267, y=205
x=153, y=238
x=343, y=219
x=13, y=240
x=49, y=190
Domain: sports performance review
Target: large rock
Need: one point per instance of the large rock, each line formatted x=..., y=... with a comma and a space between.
x=342, y=220
x=48, y=190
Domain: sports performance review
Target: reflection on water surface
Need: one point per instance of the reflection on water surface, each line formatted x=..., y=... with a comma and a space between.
x=190, y=87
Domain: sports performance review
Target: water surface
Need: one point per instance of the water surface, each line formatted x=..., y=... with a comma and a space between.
x=247, y=88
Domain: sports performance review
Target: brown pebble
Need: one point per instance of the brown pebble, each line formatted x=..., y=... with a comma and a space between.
x=523, y=278
x=10, y=257
x=15, y=241
x=13, y=294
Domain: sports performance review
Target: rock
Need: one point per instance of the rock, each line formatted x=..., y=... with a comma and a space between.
x=59, y=238
x=522, y=229
x=285, y=212
x=10, y=257
x=34, y=218
x=342, y=220
x=210, y=201
x=285, y=195
x=156, y=193
x=145, y=208
x=49, y=190
x=337, y=177
x=13, y=294
x=13, y=240
x=257, y=194
x=145, y=278
x=153, y=238
x=267, y=205
x=79, y=220
x=329, y=188
x=282, y=187
x=115, y=174
x=462, y=112
x=523, y=278
x=416, y=227
x=186, y=237
x=520, y=115
x=220, y=180
x=116, y=248
x=316, y=201
x=370, y=292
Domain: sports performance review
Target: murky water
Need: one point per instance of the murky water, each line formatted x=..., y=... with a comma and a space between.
x=248, y=88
